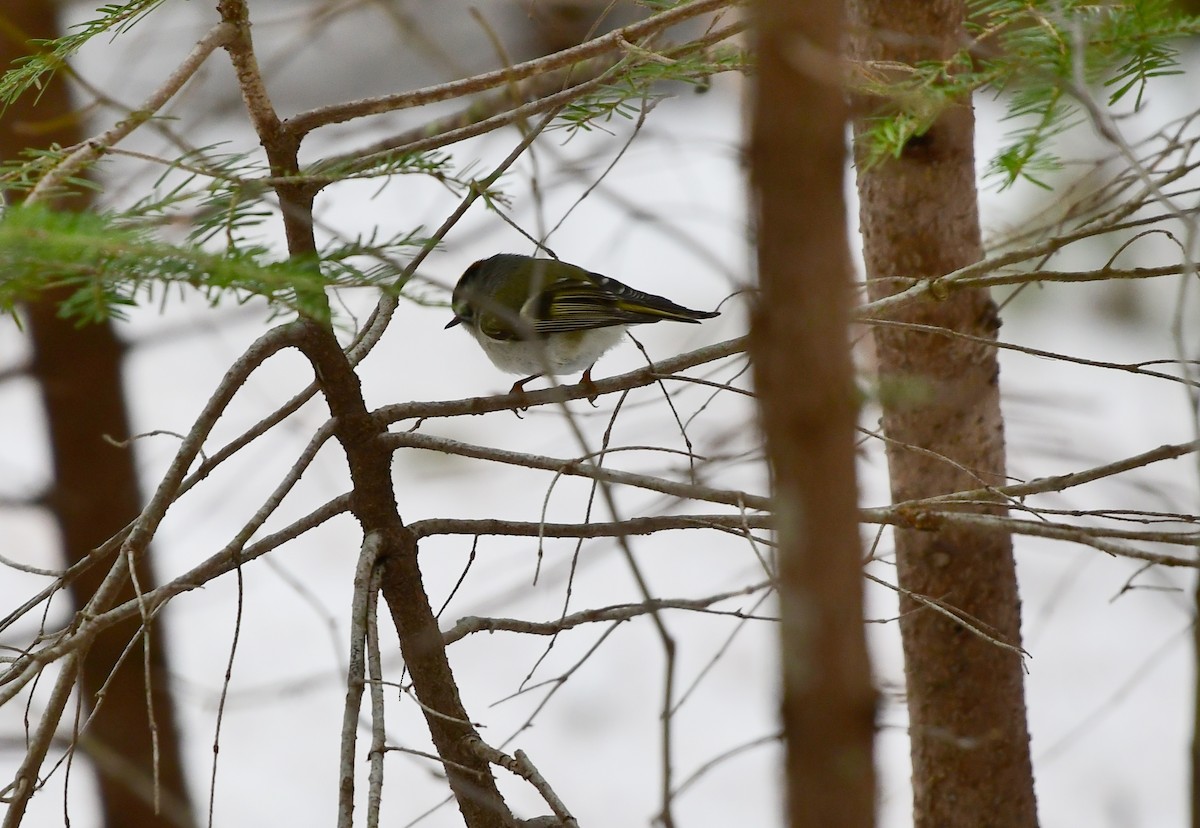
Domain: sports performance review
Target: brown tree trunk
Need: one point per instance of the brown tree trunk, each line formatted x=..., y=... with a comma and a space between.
x=966, y=703
x=95, y=491
x=803, y=374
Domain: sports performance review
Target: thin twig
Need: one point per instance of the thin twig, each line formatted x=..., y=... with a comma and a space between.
x=218, y=36
x=562, y=393
x=686, y=491
x=364, y=579
x=522, y=767
x=621, y=612
x=339, y=113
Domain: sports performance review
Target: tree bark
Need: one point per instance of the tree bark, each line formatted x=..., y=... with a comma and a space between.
x=95, y=490
x=803, y=374
x=919, y=214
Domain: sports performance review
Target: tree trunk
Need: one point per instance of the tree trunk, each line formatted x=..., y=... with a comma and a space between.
x=970, y=740
x=95, y=491
x=803, y=374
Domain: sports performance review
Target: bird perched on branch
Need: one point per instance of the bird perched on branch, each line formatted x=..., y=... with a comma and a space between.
x=543, y=316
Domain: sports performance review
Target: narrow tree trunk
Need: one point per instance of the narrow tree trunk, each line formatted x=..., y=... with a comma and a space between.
x=966, y=703
x=803, y=374
x=95, y=490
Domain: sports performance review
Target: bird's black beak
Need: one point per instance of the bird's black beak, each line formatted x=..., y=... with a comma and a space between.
x=452, y=323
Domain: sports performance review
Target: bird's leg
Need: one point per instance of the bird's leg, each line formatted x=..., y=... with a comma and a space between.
x=518, y=387
x=586, y=382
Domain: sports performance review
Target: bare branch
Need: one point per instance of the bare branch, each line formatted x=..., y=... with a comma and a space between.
x=621, y=528
x=622, y=612
x=365, y=581
x=307, y=121
x=563, y=393
x=522, y=767
x=575, y=468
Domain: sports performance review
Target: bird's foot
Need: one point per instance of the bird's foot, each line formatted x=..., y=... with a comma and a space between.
x=518, y=387
x=586, y=382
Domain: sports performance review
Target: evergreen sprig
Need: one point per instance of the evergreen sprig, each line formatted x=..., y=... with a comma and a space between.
x=33, y=71
x=371, y=260
x=646, y=80
x=1040, y=54
x=105, y=264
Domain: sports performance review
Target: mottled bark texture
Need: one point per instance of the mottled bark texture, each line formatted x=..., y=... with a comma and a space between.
x=95, y=488
x=804, y=378
x=970, y=740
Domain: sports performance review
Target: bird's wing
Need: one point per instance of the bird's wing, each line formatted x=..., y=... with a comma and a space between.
x=578, y=304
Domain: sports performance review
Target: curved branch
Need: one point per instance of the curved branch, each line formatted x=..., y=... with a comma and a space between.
x=624, y=528
x=576, y=468
x=620, y=612
x=305, y=122
x=562, y=393
x=132, y=548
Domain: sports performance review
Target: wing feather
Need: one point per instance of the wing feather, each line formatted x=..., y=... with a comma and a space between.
x=595, y=301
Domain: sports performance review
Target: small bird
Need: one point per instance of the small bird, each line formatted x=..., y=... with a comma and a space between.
x=537, y=316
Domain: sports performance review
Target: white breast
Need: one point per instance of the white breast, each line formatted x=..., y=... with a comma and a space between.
x=562, y=353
